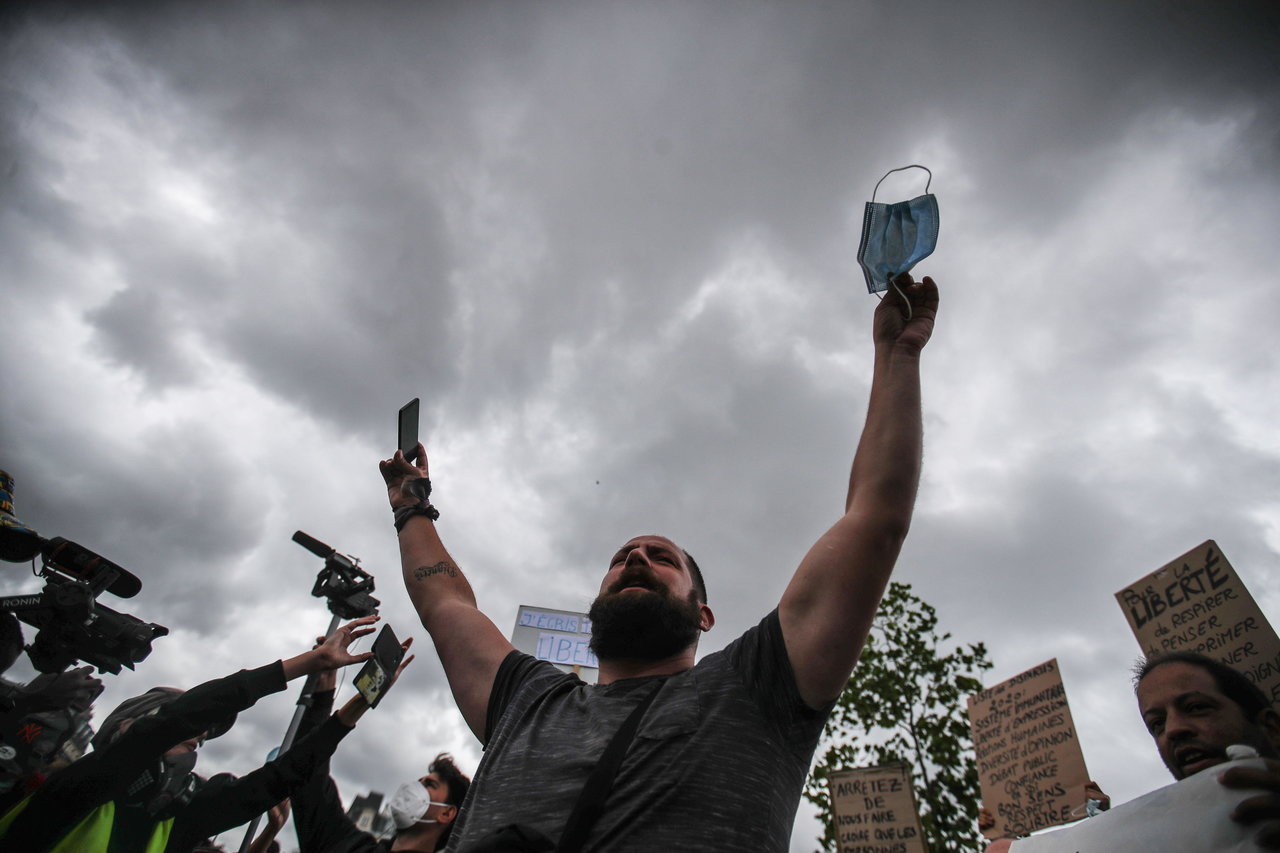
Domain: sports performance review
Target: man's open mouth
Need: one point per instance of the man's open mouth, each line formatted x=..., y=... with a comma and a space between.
x=635, y=581
x=1193, y=759
x=639, y=585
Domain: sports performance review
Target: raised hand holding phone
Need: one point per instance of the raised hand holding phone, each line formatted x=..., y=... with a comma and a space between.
x=379, y=671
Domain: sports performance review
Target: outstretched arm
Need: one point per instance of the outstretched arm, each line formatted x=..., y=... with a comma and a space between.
x=331, y=653
x=276, y=817
x=470, y=646
x=827, y=609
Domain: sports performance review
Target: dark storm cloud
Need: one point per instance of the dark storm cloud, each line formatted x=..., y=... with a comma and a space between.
x=172, y=511
x=640, y=140
x=611, y=247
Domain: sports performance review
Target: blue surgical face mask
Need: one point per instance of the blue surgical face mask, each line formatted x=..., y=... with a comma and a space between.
x=896, y=237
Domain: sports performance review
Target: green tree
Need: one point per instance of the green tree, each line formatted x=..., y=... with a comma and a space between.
x=905, y=703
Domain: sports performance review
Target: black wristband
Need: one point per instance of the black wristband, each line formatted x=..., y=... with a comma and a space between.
x=404, y=513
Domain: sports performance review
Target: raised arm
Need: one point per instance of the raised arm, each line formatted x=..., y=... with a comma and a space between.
x=470, y=646
x=827, y=608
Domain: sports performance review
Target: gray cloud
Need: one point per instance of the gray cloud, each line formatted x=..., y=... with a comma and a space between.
x=612, y=249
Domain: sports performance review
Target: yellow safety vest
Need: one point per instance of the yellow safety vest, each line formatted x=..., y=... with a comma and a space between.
x=93, y=834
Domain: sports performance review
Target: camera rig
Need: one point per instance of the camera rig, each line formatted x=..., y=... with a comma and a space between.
x=72, y=625
x=341, y=582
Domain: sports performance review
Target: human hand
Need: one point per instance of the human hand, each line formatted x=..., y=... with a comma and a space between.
x=325, y=679
x=892, y=327
x=278, y=815
x=1093, y=792
x=351, y=712
x=1263, y=809
x=398, y=472
x=405, y=660
x=332, y=653
x=986, y=820
x=75, y=689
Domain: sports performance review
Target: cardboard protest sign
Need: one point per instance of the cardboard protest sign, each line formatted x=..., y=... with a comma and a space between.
x=1191, y=816
x=874, y=810
x=1197, y=603
x=562, y=637
x=1030, y=765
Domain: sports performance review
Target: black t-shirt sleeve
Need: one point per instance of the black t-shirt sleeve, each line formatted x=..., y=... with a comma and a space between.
x=760, y=657
x=510, y=675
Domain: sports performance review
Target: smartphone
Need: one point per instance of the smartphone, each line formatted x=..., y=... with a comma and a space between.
x=377, y=672
x=408, y=432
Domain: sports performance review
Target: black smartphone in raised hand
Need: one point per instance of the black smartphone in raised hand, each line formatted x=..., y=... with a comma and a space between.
x=408, y=429
x=375, y=676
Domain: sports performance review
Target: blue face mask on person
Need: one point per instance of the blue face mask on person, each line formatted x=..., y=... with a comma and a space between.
x=896, y=237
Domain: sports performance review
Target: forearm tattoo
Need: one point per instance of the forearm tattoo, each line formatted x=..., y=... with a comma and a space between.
x=441, y=568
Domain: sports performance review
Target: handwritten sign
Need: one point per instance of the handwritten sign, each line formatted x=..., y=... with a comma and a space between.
x=874, y=810
x=562, y=637
x=1030, y=766
x=553, y=620
x=568, y=650
x=1190, y=816
x=1197, y=603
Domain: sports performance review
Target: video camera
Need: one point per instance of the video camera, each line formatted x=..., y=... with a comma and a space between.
x=341, y=581
x=71, y=624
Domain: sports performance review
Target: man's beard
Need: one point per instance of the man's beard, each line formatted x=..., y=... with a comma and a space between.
x=644, y=626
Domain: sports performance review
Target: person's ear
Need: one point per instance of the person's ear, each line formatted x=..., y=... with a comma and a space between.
x=706, y=619
x=448, y=815
x=1269, y=721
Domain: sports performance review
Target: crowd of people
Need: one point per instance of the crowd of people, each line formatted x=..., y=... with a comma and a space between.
x=664, y=752
x=137, y=789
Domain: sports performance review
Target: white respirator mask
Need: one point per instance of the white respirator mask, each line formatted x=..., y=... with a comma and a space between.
x=408, y=804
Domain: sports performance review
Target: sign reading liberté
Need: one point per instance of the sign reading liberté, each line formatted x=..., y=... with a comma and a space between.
x=1030, y=766
x=1198, y=603
x=874, y=809
x=562, y=637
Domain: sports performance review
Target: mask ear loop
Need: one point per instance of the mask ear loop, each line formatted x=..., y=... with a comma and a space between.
x=905, y=300
x=928, y=183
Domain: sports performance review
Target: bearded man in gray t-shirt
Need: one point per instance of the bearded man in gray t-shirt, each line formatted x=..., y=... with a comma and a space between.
x=720, y=757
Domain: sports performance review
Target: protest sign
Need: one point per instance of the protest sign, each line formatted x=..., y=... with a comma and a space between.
x=562, y=637
x=1197, y=603
x=1030, y=766
x=1191, y=816
x=874, y=810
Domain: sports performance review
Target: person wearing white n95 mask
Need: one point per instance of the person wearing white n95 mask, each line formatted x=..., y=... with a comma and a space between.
x=423, y=811
x=411, y=804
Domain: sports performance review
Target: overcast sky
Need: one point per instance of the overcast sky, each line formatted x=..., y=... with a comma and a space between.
x=612, y=246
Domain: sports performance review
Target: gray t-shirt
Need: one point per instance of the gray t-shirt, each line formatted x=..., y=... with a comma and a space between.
x=718, y=763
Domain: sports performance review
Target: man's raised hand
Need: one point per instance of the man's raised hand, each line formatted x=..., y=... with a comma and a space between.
x=398, y=471
x=892, y=327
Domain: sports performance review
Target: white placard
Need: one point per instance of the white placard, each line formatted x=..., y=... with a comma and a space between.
x=1191, y=816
